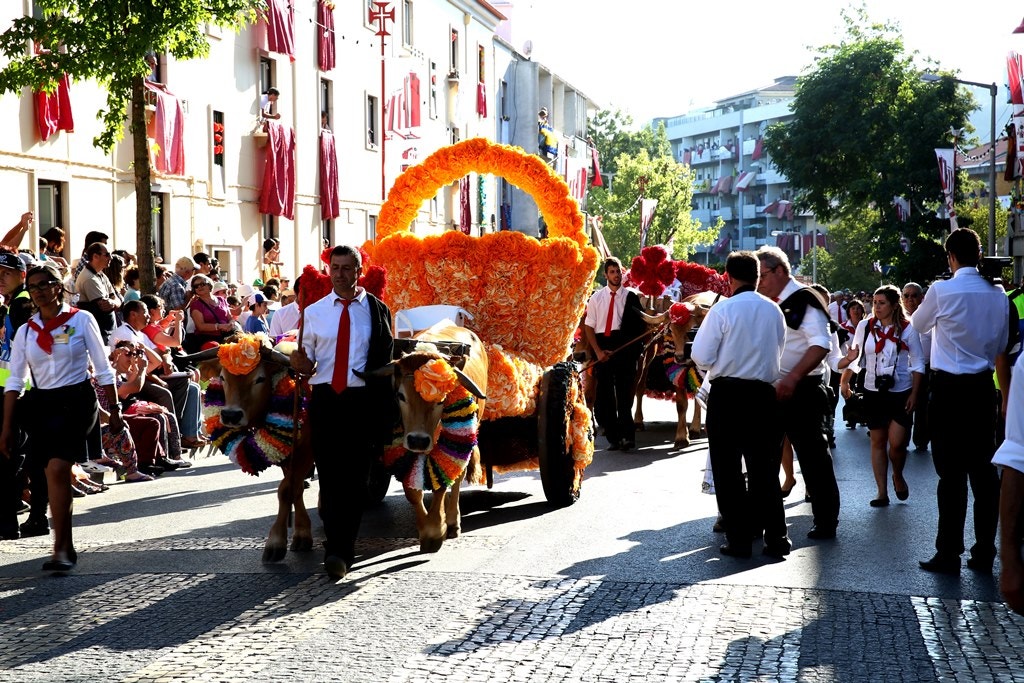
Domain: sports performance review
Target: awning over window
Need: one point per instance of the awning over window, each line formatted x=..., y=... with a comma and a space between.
x=743, y=181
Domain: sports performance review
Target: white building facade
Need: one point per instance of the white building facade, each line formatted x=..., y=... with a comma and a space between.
x=445, y=79
x=734, y=177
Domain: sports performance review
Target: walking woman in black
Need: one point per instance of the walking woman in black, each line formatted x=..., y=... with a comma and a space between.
x=53, y=350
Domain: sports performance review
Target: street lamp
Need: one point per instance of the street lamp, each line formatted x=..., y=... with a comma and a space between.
x=993, y=90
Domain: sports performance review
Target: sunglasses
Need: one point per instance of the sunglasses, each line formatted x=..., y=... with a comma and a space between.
x=41, y=286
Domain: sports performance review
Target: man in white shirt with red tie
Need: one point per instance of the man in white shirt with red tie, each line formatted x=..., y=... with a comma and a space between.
x=613, y=321
x=345, y=334
x=969, y=319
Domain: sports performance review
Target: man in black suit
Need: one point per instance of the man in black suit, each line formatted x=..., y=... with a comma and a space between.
x=613, y=319
x=346, y=334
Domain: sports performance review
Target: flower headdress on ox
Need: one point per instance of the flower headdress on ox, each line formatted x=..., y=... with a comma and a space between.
x=253, y=448
x=696, y=278
x=436, y=382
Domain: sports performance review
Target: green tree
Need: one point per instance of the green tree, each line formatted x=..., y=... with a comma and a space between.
x=863, y=131
x=627, y=156
x=107, y=42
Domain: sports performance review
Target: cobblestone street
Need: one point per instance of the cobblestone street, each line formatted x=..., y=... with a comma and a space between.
x=148, y=605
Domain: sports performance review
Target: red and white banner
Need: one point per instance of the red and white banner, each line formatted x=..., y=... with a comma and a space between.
x=647, y=207
x=947, y=175
x=902, y=208
x=1015, y=71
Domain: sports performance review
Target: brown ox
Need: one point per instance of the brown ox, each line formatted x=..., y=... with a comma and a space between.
x=679, y=332
x=420, y=422
x=246, y=403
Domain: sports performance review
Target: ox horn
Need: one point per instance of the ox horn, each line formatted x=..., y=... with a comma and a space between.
x=198, y=356
x=654, y=319
x=383, y=371
x=468, y=384
x=274, y=356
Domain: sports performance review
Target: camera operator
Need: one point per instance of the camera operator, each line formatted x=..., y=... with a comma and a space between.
x=969, y=320
x=889, y=350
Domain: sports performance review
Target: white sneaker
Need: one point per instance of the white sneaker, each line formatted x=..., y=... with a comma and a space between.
x=93, y=467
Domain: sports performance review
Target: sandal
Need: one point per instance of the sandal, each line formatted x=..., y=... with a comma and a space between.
x=137, y=476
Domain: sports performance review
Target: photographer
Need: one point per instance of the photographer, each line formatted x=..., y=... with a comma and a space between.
x=889, y=350
x=969, y=320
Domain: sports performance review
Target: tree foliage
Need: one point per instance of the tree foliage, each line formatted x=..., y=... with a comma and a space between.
x=863, y=131
x=630, y=156
x=107, y=42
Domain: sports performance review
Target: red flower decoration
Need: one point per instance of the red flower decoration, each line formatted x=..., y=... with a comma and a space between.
x=652, y=270
x=680, y=313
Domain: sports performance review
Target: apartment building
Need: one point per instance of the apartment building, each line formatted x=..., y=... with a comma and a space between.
x=735, y=179
x=445, y=78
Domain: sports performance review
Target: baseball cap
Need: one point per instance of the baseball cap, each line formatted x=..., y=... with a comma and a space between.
x=186, y=262
x=12, y=261
x=256, y=298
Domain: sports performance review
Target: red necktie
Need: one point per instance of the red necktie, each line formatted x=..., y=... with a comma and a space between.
x=611, y=315
x=45, y=339
x=340, y=378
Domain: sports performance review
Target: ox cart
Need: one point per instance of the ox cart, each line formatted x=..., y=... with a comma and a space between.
x=523, y=299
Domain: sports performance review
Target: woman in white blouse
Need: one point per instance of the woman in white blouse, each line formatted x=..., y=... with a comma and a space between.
x=54, y=349
x=889, y=350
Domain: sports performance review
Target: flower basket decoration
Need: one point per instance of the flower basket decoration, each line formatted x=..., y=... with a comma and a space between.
x=525, y=295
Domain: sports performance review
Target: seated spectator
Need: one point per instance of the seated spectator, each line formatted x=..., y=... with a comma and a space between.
x=120, y=447
x=270, y=293
x=154, y=430
x=131, y=284
x=174, y=290
x=287, y=317
x=166, y=331
x=234, y=306
x=166, y=387
x=257, y=321
x=209, y=314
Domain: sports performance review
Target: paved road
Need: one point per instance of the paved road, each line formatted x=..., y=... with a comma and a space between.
x=626, y=585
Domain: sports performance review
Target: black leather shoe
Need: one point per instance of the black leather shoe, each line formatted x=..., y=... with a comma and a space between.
x=778, y=549
x=820, y=533
x=981, y=565
x=731, y=550
x=335, y=566
x=35, y=526
x=58, y=566
x=942, y=565
x=628, y=445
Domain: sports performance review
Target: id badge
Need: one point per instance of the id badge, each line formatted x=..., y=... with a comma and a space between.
x=61, y=338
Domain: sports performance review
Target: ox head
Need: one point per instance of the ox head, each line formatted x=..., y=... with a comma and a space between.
x=681, y=318
x=420, y=417
x=247, y=386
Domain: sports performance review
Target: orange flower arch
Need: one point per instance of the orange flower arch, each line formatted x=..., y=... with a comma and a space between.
x=525, y=294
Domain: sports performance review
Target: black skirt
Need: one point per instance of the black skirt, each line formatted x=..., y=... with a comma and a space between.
x=59, y=420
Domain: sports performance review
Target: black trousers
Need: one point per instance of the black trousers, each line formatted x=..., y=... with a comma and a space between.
x=616, y=389
x=342, y=439
x=922, y=434
x=743, y=424
x=963, y=421
x=803, y=419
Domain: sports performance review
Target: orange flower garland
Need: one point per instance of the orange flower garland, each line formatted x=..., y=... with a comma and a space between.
x=512, y=384
x=434, y=380
x=241, y=357
x=524, y=294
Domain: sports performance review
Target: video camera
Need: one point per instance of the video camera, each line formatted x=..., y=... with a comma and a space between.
x=990, y=267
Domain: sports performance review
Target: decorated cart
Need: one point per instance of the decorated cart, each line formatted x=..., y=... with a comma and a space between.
x=524, y=298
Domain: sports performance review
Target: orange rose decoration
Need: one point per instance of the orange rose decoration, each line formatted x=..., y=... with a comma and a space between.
x=241, y=357
x=434, y=380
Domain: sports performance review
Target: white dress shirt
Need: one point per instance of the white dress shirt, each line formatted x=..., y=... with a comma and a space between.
x=126, y=332
x=813, y=331
x=75, y=343
x=741, y=337
x=286, y=319
x=1011, y=452
x=836, y=312
x=969, y=320
x=597, y=309
x=320, y=336
x=905, y=361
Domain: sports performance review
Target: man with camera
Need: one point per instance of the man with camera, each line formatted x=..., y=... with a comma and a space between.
x=968, y=317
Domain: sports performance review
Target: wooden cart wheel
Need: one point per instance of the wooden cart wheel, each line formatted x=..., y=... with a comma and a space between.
x=554, y=413
x=378, y=484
